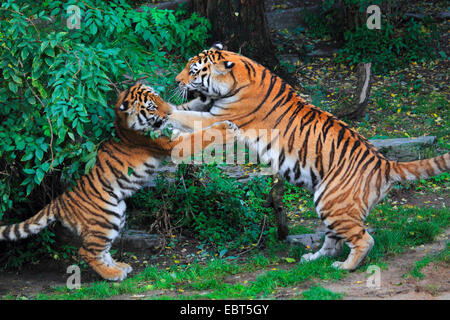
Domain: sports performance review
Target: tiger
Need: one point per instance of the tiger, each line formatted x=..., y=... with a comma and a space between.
x=95, y=208
x=346, y=174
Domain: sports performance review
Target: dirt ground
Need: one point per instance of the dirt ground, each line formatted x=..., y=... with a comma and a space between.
x=394, y=285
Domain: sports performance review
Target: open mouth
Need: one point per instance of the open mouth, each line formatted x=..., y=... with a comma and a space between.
x=158, y=123
x=192, y=94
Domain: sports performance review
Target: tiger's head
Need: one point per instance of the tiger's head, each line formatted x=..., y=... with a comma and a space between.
x=140, y=108
x=215, y=73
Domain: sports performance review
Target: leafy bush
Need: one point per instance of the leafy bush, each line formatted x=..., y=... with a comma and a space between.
x=57, y=84
x=209, y=205
x=395, y=44
x=388, y=48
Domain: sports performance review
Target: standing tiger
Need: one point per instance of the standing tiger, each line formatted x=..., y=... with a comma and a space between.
x=95, y=207
x=347, y=175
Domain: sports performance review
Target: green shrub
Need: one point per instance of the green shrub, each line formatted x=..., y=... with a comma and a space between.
x=209, y=205
x=394, y=45
x=57, y=86
x=56, y=89
x=388, y=48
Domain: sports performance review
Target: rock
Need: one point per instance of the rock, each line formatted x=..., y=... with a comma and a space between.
x=128, y=240
x=442, y=16
x=290, y=58
x=403, y=149
x=418, y=16
x=137, y=241
x=311, y=241
x=167, y=170
x=325, y=52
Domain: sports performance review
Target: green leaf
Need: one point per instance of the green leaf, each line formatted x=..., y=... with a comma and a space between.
x=50, y=51
x=27, y=156
x=39, y=175
x=12, y=86
x=44, y=45
x=93, y=29
x=24, y=54
x=29, y=171
x=39, y=154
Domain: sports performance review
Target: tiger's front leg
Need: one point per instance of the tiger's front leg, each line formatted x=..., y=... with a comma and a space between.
x=194, y=119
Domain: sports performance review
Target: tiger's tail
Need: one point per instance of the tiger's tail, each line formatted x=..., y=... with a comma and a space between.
x=420, y=169
x=30, y=226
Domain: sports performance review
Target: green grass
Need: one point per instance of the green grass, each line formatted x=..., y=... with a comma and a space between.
x=211, y=277
x=397, y=228
x=319, y=293
x=400, y=227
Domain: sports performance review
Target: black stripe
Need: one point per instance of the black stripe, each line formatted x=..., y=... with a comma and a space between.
x=313, y=178
x=273, y=80
x=311, y=118
x=344, y=149
x=340, y=136
x=16, y=231
x=305, y=147
x=263, y=76
x=297, y=170
x=355, y=145
x=246, y=123
x=283, y=115
x=281, y=158
x=331, y=155
x=292, y=118
x=248, y=68
x=291, y=140
x=281, y=91
x=327, y=128
x=280, y=102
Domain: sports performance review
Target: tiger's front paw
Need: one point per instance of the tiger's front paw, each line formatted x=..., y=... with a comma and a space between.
x=226, y=125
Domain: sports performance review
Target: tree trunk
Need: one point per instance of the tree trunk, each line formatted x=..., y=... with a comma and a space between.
x=275, y=200
x=241, y=25
x=357, y=108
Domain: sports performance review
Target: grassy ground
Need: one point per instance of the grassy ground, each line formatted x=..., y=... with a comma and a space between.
x=276, y=269
x=410, y=102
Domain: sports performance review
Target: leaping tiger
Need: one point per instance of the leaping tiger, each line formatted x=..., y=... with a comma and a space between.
x=347, y=175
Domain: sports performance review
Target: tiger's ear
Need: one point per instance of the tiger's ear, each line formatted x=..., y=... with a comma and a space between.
x=228, y=64
x=218, y=46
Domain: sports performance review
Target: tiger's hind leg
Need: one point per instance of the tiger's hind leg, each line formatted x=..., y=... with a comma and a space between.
x=360, y=243
x=332, y=246
x=349, y=227
x=95, y=251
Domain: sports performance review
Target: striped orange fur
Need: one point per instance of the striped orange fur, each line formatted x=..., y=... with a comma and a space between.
x=95, y=207
x=347, y=175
